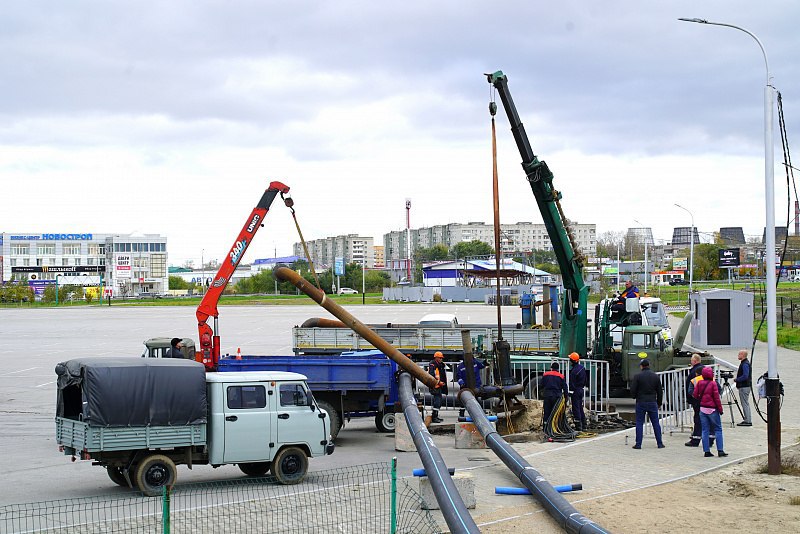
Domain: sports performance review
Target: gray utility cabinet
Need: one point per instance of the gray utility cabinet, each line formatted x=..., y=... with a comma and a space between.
x=722, y=318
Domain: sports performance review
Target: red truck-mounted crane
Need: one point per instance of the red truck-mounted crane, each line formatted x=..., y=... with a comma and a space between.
x=209, y=337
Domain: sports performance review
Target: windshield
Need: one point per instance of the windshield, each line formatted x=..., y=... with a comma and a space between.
x=656, y=316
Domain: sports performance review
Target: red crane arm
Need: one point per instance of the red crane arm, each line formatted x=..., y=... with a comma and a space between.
x=209, y=337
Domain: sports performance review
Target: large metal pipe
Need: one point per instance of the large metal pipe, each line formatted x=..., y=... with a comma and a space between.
x=287, y=275
x=557, y=506
x=321, y=322
x=450, y=503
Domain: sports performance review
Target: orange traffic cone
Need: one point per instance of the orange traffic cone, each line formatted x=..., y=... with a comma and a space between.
x=238, y=353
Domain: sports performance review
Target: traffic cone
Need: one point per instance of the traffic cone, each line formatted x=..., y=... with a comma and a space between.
x=239, y=353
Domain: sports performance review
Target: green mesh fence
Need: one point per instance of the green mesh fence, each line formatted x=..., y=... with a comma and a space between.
x=352, y=500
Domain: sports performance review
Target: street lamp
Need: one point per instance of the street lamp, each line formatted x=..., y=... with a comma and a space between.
x=645, y=257
x=772, y=383
x=691, y=248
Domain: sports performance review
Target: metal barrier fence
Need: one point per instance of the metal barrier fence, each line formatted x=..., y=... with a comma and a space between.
x=528, y=371
x=675, y=413
x=358, y=500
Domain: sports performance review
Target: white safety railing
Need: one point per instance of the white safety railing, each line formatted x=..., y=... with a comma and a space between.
x=675, y=413
x=595, y=397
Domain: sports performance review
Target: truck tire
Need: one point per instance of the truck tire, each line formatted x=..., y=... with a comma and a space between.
x=116, y=475
x=384, y=421
x=334, y=419
x=153, y=473
x=255, y=469
x=290, y=465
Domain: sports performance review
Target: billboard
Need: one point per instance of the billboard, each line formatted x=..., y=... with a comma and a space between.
x=123, y=267
x=338, y=266
x=680, y=264
x=729, y=257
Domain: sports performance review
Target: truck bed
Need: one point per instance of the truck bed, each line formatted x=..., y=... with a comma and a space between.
x=81, y=436
x=423, y=340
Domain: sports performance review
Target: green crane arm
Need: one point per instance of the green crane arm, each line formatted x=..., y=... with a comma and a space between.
x=570, y=261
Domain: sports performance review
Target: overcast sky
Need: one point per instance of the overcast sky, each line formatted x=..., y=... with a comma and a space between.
x=173, y=117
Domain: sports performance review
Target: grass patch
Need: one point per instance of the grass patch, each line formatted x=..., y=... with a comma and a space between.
x=788, y=467
x=787, y=337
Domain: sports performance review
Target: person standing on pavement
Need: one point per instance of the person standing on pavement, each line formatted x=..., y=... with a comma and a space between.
x=744, y=383
x=437, y=370
x=707, y=392
x=554, y=387
x=647, y=390
x=578, y=378
x=694, y=373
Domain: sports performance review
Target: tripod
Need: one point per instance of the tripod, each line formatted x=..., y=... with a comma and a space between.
x=731, y=398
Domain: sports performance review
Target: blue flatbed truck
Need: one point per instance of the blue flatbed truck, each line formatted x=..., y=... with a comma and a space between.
x=351, y=384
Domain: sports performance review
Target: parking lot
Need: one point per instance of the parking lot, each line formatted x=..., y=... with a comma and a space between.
x=35, y=340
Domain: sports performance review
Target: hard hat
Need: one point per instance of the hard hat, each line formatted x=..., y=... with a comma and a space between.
x=438, y=354
x=574, y=357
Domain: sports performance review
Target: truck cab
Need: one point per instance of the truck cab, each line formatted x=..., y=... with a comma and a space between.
x=645, y=311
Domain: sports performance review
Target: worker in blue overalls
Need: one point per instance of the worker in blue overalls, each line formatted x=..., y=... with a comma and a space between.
x=578, y=379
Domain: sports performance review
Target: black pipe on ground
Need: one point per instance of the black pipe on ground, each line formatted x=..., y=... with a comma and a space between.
x=450, y=503
x=557, y=506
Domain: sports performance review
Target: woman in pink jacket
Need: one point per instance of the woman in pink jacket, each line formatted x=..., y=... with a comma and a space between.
x=707, y=392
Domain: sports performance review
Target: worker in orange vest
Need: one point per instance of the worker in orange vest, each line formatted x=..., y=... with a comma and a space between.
x=437, y=370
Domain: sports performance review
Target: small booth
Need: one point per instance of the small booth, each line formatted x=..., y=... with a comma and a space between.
x=722, y=318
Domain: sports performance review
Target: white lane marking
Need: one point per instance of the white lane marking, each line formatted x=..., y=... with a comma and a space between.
x=20, y=371
x=46, y=384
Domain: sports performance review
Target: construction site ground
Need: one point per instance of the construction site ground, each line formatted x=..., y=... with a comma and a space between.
x=625, y=490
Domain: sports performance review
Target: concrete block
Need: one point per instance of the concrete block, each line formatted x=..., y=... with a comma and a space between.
x=468, y=436
x=464, y=483
x=403, y=441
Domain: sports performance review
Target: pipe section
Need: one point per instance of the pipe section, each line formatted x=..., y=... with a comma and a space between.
x=450, y=503
x=507, y=490
x=320, y=322
x=287, y=275
x=557, y=506
x=421, y=472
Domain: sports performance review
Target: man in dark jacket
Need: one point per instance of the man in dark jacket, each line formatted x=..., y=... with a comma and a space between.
x=175, y=349
x=744, y=383
x=578, y=378
x=694, y=371
x=437, y=370
x=553, y=388
x=647, y=390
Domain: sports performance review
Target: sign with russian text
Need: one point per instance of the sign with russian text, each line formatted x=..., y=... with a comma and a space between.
x=123, y=266
x=729, y=257
x=680, y=264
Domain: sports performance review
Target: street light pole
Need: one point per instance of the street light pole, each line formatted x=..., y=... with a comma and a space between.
x=644, y=271
x=691, y=248
x=772, y=382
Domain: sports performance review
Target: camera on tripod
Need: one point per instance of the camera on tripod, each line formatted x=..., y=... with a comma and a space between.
x=726, y=375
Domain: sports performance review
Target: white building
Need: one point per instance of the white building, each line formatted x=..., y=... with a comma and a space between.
x=517, y=237
x=124, y=264
x=353, y=248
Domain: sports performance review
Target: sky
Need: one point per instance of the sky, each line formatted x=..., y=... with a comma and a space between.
x=173, y=117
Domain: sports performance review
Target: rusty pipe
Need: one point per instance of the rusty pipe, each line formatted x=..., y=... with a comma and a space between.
x=321, y=322
x=285, y=274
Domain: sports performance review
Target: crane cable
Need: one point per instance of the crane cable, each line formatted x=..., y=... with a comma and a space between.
x=290, y=204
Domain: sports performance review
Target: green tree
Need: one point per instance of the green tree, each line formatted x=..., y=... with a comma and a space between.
x=176, y=282
x=470, y=249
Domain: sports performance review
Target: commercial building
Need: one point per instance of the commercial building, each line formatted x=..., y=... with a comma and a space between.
x=124, y=264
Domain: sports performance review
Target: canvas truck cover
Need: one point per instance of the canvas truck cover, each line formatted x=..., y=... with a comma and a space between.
x=123, y=392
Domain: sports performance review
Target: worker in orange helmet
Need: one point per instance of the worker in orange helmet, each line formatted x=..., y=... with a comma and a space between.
x=578, y=379
x=437, y=370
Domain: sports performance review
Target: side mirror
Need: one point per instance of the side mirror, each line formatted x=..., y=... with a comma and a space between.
x=661, y=345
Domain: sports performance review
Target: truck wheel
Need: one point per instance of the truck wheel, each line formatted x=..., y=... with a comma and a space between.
x=155, y=472
x=334, y=419
x=384, y=421
x=290, y=465
x=255, y=469
x=116, y=476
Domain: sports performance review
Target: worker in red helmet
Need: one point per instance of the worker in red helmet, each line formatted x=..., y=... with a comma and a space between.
x=437, y=370
x=578, y=379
